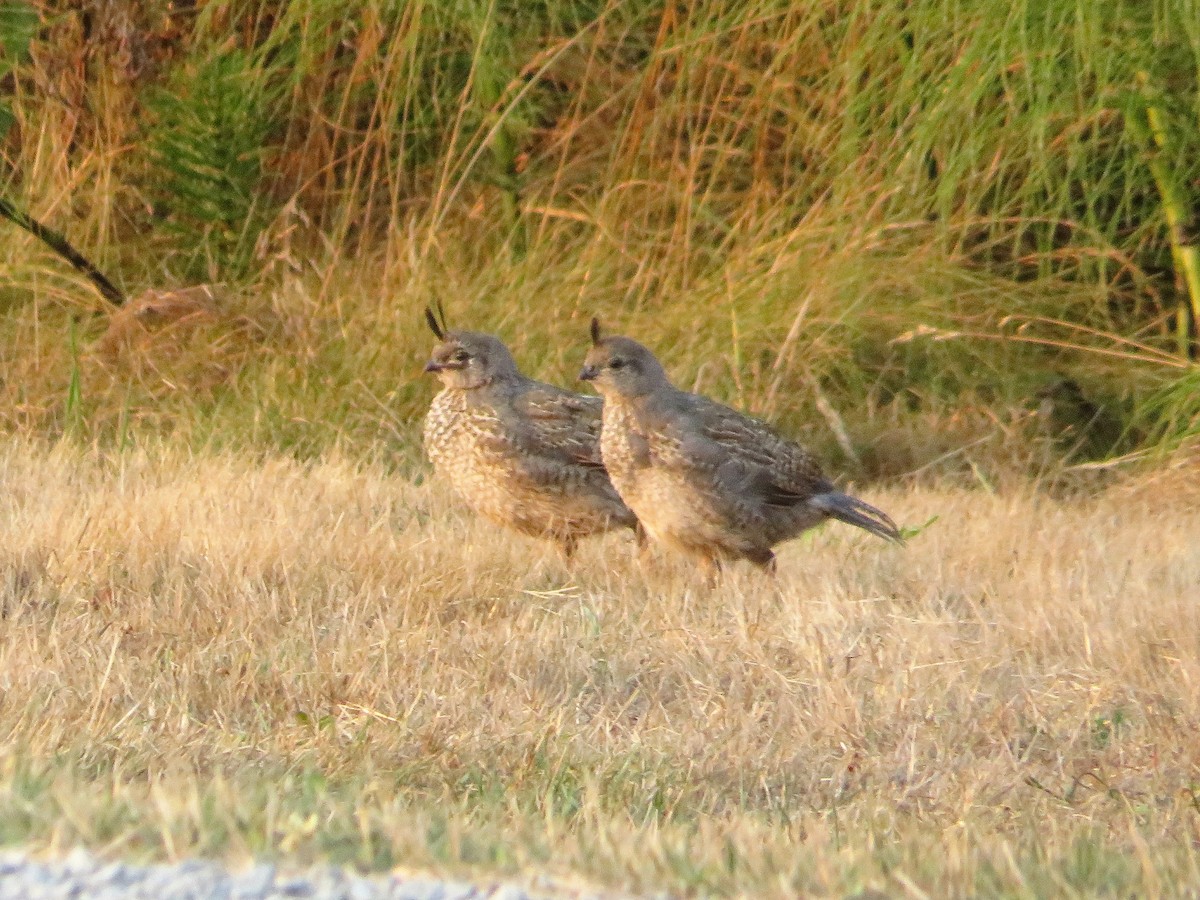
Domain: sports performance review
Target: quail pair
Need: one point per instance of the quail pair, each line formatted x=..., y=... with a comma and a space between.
x=700, y=478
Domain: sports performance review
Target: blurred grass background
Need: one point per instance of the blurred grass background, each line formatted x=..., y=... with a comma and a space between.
x=926, y=237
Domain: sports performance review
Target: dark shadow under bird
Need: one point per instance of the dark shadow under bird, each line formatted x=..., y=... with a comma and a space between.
x=523, y=454
x=706, y=480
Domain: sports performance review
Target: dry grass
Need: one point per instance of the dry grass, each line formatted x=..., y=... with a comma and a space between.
x=242, y=656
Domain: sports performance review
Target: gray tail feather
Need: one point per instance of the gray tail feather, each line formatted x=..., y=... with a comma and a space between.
x=853, y=511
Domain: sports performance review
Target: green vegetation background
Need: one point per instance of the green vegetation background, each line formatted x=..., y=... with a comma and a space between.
x=897, y=229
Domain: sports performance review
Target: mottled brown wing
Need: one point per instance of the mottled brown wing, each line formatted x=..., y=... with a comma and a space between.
x=743, y=453
x=559, y=424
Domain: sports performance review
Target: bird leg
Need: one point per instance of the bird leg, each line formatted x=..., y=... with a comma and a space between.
x=711, y=567
x=642, y=538
x=646, y=560
x=566, y=546
x=765, y=561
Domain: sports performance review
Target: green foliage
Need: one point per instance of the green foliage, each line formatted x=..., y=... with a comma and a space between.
x=209, y=146
x=774, y=195
x=1170, y=416
x=18, y=27
x=73, y=414
x=908, y=532
x=1106, y=728
x=1152, y=119
x=999, y=124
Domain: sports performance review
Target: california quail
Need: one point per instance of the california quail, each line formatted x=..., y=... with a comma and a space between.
x=523, y=454
x=704, y=479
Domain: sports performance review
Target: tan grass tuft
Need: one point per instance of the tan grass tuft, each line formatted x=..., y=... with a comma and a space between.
x=186, y=342
x=154, y=319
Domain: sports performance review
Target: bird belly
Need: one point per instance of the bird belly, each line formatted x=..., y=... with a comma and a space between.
x=676, y=514
x=559, y=504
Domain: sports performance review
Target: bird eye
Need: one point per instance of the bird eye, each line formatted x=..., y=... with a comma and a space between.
x=617, y=364
x=461, y=356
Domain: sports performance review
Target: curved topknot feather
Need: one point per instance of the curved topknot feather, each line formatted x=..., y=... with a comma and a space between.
x=438, y=330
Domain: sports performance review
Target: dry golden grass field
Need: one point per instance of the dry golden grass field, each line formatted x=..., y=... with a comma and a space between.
x=243, y=656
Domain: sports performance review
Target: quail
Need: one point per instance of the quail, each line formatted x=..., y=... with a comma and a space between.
x=521, y=453
x=1081, y=428
x=704, y=479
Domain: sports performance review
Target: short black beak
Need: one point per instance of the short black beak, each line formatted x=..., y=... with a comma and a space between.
x=433, y=366
x=588, y=373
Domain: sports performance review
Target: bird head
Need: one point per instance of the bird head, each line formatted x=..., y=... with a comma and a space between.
x=465, y=360
x=621, y=367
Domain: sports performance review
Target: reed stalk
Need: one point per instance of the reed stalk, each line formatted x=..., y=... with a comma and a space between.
x=1181, y=220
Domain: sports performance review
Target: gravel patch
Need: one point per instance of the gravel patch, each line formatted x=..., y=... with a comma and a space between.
x=81, y=876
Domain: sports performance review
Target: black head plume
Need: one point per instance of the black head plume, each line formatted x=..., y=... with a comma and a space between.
x=595, y=331
x=438, y=331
